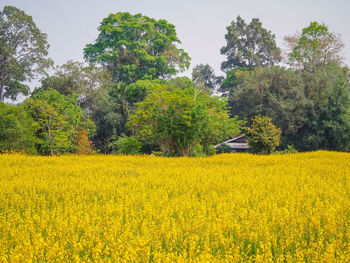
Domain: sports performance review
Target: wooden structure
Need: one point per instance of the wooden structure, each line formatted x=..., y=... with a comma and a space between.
x=237, y=144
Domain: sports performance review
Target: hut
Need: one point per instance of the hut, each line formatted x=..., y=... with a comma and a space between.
x=237, y=144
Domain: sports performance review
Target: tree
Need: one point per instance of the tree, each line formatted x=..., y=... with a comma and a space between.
x=60, y=120
x=88, y=82
x=249, y=46
x=135, y=47
x=328, y=125
x=264, y=137
x=231, y=83
x=110, y=116
x=316, y=46
x=311, y=108
x=107, y=121
x=23, y=51
x=113, y=109
x=204, y=76
x=276, y=92
x=177, y=120
x=17, y=129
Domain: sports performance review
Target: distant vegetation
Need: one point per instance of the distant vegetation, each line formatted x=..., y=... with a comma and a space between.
x=127, y=97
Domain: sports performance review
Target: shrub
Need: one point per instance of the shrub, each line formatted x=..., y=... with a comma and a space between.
x=127, y=145
x=223, y=148
x=264, y=137
x=83, y=144
x=289, y=149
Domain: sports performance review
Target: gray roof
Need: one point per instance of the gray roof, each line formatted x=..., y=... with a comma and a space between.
x=235, y=145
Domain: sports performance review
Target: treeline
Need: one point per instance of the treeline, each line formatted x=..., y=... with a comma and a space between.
x=126, y=98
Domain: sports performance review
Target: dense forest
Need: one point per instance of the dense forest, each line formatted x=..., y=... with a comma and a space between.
x=127, y=97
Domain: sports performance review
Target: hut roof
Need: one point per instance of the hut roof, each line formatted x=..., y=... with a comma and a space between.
x=239, y=142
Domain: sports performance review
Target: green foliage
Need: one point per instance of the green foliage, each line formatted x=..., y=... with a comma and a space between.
x=135, y=47
x=223, y=148
x=177, y=120
x=210, y=150
x=263, y=136
x=328, y=125
x=60, y=119
x=17, y=130
x=180, y=83
x=232, y=81
x=290, y=149
x=113, y=108
x=172, y=119
x=198, y=151
x=127, y=145
x=249, y=46
x=108, y=122
x=88, y=82
x=137, y=92
x=311, y=108
x=204, y=76
x=275, y=92
x=316, y=47
x=23, y=51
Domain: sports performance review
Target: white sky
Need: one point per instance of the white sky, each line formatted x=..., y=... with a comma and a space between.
x=200, y=25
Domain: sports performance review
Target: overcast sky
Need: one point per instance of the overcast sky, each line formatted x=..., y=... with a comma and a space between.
x=200, y=25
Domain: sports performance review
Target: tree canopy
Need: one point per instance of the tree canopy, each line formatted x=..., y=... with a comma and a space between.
x=249, y=46
x=129, y=90
x=311, y=108
x=179, y=119
x=316, y=46
x=204, y=75
x=136, y=47
x=87, y=82
x=23, y=52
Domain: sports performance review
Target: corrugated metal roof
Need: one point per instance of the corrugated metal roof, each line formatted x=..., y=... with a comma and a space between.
x=235, y=145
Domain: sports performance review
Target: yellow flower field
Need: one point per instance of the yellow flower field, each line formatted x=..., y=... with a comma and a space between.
x=225, y=208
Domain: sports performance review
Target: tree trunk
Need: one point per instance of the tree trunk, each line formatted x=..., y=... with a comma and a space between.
x=2, y=85
x=2, y=92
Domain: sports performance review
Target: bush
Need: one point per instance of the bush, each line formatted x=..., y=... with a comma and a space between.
x=223, y=148
x=210, y=150
x=263, y=136
x=289, y=149
x=83, y=144
x=127, y=145
x=198, y=151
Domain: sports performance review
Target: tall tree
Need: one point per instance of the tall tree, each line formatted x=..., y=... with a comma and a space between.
x=249, y=46
x=136, y=47
x=23, y=51
x=204, y=75
x=316, y=46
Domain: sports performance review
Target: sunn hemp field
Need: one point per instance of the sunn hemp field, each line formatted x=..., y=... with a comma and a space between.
x=225, y=208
